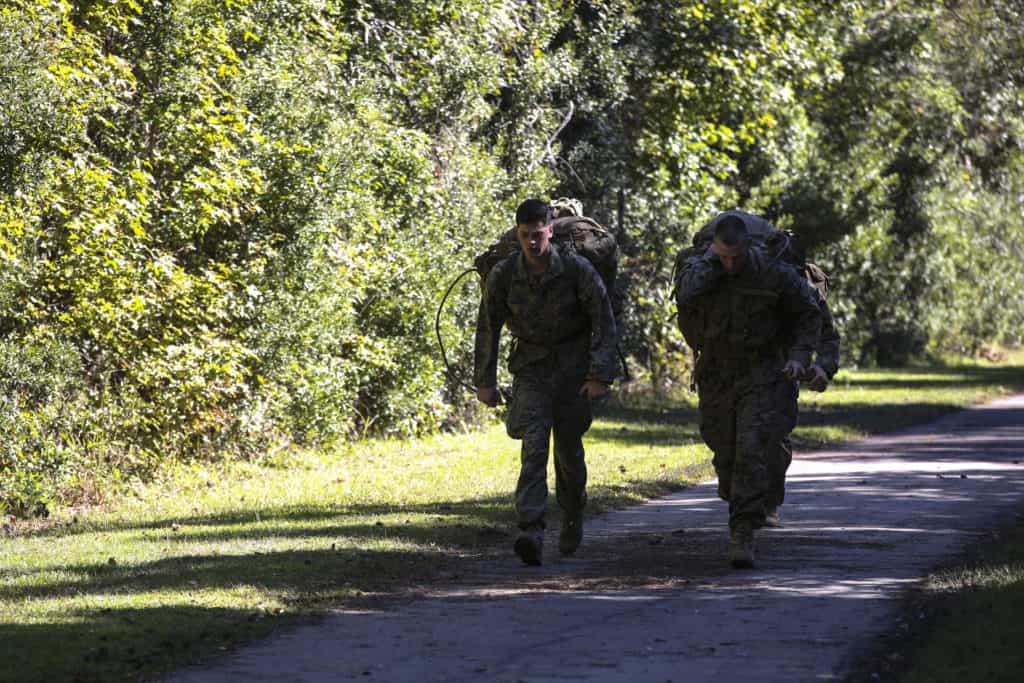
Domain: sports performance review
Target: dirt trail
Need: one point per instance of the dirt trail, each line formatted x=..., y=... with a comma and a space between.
x=649, y=597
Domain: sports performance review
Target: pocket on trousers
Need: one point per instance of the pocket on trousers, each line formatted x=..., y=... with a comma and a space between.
x=515, y=422
x=780, y=403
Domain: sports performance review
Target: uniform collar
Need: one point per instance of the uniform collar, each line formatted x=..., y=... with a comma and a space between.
x=555, y=268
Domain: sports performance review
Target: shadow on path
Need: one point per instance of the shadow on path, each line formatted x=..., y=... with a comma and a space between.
x=649, y=596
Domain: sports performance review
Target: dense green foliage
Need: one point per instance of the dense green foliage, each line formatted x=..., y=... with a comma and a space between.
x=225, y=224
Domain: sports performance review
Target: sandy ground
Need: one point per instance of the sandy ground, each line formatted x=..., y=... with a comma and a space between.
x=650, y=596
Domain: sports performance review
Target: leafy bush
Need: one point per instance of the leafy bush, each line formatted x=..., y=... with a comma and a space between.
x=228, y=225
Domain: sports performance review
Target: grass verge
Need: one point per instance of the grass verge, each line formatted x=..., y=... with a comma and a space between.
x=212, y=556
x=963, y=625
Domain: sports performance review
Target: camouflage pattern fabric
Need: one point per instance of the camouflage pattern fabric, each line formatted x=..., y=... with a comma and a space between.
x=778, y=464
x=545, y=400
x=566, y=314
x=826, y=351
x=745, y=323
x=744, y=416
x=826, y=355
x=564, y=334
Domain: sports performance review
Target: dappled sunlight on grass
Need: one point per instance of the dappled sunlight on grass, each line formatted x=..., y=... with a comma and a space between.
x=863, y=402
x=273, y=543
x=1003, y=575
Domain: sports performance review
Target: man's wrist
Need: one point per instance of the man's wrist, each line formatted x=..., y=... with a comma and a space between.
x=803, y=360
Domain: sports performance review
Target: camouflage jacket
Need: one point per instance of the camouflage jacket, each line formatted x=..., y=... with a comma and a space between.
x=826, y=349
x=566, y=312
x=767, y=309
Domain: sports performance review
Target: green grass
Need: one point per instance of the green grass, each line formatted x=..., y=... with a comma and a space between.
x=977, y=633
x=866, y=402
x=211, y=556
x=964, y=625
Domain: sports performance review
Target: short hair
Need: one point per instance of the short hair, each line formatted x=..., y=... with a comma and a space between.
x=532, y=210
x=731, y=230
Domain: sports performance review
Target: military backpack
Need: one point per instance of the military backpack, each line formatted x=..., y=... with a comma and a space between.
x=571, y=230
x=775, y=243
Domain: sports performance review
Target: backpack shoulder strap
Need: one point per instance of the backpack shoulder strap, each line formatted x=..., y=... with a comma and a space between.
x=572, y=267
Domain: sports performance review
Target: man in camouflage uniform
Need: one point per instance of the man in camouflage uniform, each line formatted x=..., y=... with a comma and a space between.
x=821, y=372
x=747, y=306
x=555, y=305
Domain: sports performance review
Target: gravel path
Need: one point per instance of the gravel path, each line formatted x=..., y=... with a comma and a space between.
x=650, y=597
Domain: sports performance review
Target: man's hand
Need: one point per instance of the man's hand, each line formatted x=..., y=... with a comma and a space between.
x=488, y=396
x=593, y=389
x=793, y=370
x=816, y=378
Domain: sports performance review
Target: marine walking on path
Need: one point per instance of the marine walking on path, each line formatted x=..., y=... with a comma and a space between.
x=755, y=323
x=557, y=309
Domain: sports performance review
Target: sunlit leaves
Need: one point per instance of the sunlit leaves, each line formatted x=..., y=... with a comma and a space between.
x=224, y=225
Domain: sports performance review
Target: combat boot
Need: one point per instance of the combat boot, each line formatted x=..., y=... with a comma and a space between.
x=741, y=546
x=772, y=517
x=572, y=533
x=529, y=546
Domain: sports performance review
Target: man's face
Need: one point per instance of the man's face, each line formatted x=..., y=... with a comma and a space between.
x=534, y=238
x=733, y=257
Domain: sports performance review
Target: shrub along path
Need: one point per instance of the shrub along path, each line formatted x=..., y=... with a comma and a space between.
x=649, y=597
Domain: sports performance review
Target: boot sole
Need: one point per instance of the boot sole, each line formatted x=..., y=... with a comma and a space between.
x=527, y=551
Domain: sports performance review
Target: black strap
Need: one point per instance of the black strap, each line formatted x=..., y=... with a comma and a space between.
x=437, y=329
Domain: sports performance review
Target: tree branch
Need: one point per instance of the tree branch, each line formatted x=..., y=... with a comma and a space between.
x=547, y=145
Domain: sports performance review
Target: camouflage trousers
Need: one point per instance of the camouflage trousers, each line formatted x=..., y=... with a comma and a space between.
x=542, y=405
x=778, y=463
x=744, y=417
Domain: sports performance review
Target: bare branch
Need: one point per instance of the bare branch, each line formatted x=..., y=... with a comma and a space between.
x=548, y=153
